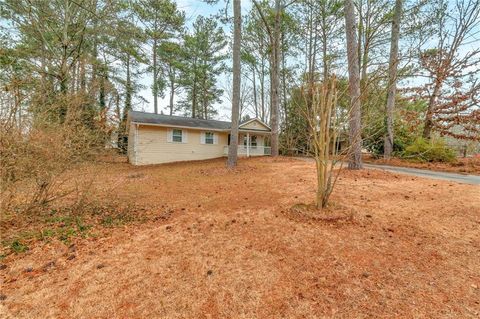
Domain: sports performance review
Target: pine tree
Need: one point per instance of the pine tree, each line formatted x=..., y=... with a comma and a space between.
x=392, y=78
x=203, y=63
x=172, y=66
x=355, y=161
x=161, y=20
x=237, y=36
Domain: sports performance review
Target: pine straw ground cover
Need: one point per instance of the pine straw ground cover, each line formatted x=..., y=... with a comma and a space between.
x=230, y=246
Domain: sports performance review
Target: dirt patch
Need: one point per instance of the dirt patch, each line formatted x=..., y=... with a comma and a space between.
x=469, y=165
x=222, y=248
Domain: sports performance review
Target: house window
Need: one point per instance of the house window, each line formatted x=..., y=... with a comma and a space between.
x=177, y=136
x=253, y=141
x=208, y=138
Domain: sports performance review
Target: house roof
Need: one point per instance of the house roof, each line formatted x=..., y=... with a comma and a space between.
x=170, y=120
x=180, y=121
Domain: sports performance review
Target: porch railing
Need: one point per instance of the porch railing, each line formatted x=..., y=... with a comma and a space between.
x=252, y=151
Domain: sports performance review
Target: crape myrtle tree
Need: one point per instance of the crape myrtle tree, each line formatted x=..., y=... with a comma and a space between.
x=321, y=116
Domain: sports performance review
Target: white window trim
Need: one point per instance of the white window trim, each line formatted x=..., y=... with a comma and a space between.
x=170, y=136
x=213, y=138
x=203, y=138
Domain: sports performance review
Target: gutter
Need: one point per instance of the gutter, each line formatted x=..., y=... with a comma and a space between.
x=186, y=127
x=200, y=128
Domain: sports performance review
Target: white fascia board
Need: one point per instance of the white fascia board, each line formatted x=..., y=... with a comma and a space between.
x=183, y=127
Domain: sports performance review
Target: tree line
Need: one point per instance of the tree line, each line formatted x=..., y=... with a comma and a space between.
x=96, y=51
x=84, y=59
x=429, y=49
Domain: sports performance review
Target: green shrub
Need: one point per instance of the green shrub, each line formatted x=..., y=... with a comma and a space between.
x=434, y=150
x=17, y=247
x=374, y=139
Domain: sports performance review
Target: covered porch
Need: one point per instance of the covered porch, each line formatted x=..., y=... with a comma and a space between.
x=251, y=144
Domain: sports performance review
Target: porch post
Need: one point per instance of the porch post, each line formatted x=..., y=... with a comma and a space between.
x=248, y=144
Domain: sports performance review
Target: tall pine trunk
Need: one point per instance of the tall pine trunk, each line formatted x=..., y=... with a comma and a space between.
x=284, y=84
x=254, y=84
x=122, y=130
x=325, y=48
x=275, y=79
x=155, y=77
x=262, y=92
x=172, y=94
x=237, y=38
x=128, y=89
x=392, y=79
x=355, y=119
x=194, y=98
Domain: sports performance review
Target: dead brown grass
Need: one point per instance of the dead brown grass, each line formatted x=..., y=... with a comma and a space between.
x=228, y=248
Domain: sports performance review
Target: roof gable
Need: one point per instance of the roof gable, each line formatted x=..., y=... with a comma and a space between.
x=254, y=124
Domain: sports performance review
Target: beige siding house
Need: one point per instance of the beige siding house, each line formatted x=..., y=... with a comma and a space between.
x=158, y=138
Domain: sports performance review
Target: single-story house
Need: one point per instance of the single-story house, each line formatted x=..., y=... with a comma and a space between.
x=157, y=138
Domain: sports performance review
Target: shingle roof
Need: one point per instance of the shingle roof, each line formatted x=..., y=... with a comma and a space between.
x=152, y=118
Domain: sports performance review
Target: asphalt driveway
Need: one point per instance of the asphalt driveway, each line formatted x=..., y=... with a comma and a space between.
x=453, y=177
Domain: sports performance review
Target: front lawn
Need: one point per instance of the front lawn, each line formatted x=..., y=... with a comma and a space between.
x=195, y=240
